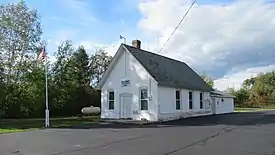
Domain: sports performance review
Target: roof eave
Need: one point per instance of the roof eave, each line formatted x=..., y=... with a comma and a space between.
x=109, y=69
x=182, y=87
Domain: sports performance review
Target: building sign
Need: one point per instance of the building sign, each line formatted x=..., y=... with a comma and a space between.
x=125, y=83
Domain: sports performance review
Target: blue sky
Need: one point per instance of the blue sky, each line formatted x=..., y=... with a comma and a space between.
x=225, y=38
x=98, y=21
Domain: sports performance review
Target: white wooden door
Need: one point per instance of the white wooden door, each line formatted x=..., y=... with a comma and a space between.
x=125, y=105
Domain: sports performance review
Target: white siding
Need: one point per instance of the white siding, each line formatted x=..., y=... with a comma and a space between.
x=227, y=106
x=128, y=68
x=167, y=104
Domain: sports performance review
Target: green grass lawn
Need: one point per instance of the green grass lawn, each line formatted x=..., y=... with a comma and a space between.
x=19, y=125
x=237, y=109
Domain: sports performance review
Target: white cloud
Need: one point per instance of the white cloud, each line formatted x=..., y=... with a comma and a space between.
x=92, y=47
x=111, y=49
x=236, y=79
x=214, y=38
x=81, y=10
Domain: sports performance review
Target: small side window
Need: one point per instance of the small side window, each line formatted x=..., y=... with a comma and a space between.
x=144, y=99
x=177, y=100
x=111, y=100
x=190, y=100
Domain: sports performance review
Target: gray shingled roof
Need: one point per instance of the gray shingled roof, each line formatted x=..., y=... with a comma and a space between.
x=169, y=72
x=217, y=93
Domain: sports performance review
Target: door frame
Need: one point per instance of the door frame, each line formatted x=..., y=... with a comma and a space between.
x=120, y=103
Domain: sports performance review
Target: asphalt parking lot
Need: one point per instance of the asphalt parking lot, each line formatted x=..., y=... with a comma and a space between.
x=238, y=134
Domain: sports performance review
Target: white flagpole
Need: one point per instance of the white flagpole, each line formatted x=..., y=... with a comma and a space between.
x=47, y=116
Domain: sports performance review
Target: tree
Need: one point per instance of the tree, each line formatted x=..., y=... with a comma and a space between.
x=84, y=93
x=62, y=79
x=2, y=89
x=242, y=96
x=257, y=91
x=81, y=63
x=263, y=88
x=230, y=91
x=208, y=80
x=248, y=83
x=71, y=78
x=98, y=65
x=20, y=37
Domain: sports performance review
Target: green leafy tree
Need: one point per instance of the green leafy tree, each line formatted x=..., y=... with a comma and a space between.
x=242, y=96
x=263, y=88
x=20, y=37
x=61, y=79
x=258, y=91
x=248, y=83
x=2, y=92
x=98, y=65
x=208, y=80
x=81, y=63
x=83, y=92
x=71, y=78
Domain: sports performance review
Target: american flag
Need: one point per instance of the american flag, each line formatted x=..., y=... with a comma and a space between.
x=42, y=55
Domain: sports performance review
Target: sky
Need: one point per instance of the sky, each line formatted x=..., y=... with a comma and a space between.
x=229, y=40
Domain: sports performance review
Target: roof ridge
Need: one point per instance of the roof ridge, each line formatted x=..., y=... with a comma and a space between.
x=156, y=54
x=168, y=75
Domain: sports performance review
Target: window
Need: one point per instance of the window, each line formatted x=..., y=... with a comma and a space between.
x=177, y=100
x=144, y=99
x=111, y=100
x=190, y=100
x=201, y=101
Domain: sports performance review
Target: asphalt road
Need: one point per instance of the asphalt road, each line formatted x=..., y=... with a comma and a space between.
x=237, y=134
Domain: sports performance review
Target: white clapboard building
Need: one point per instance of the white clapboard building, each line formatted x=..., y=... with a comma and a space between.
x=141, y=85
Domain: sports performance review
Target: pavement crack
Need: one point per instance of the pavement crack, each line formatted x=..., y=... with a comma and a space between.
x=17, y=152
x=226, y=129
x=192, y=144
x=102, y=145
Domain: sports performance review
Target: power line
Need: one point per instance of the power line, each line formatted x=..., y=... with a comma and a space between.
x=178, y=25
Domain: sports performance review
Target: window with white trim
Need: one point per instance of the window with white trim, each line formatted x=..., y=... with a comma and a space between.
x=201, y=100
x=143, y=99
x=111, y=100
x=190, y=100
x=177, y=99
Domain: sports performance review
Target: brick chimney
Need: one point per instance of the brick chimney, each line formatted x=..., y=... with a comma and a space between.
x=136, y=43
